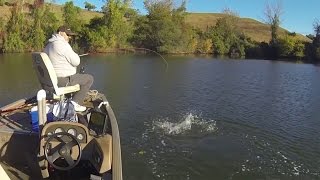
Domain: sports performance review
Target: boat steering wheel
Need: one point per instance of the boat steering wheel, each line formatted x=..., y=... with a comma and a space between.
x=62, y=151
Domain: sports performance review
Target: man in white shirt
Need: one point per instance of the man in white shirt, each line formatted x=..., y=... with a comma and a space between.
x=65, y=62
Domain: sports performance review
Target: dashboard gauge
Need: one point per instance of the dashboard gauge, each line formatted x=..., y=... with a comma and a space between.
x=72, y=132
x=80, y=136
x=58, y=130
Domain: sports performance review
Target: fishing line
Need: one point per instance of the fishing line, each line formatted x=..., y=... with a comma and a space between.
x=163, y=59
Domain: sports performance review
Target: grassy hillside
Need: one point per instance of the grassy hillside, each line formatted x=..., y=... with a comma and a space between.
x=85, y=14
x=254, y=29
x=57, y=9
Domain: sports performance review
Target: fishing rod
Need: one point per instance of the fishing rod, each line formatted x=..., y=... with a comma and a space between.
x=19, y=106
x=146, y=49
x=86, y=54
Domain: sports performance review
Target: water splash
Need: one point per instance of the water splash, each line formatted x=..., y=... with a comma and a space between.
x=157, y=143
x=175, y=128
x=189, y=123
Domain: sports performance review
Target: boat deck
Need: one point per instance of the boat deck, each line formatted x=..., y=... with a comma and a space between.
x=15, y=173
x=18, y=145
x=19, y=121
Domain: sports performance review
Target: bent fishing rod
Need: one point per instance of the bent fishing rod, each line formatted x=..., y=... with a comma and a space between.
x=146, y=49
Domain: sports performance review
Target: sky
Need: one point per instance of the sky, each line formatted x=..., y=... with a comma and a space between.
x=298, y=15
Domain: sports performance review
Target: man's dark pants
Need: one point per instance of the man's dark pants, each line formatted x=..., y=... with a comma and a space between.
x=84, y=80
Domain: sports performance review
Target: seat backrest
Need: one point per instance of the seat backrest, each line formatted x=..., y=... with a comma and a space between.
x=45, y=72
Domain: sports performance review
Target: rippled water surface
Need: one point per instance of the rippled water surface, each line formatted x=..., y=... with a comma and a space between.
x=201, y=118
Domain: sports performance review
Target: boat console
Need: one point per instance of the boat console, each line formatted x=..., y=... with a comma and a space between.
x=65, y=145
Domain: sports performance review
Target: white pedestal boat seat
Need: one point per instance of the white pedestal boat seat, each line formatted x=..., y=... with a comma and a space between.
x=47, y=76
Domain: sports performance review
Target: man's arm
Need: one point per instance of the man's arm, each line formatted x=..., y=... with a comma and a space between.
x=72, y=57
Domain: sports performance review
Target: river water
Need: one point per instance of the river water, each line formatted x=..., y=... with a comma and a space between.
x=201, y=118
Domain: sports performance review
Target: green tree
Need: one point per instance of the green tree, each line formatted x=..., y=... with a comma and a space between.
x=186, y=34
x=2, y=33
x=202, y=42
x=313, y=49
x=310, y=36
x=50, y=22
x=273, y=14
x=316, y=40
x=2, y=2
x=205, y=46
x=94, y=36
x=42, y=24
x=89, y=6
x=13, y=41
x=73, y=19
x=226, y=37
x=299, y=50
x=131, y=14
x=72, y=16
x=141, y=28
x=111, y=31
x=161, y=31
x=286, y=46
x=120, y=29
x=37, y=35
x=290, y=46
x=164, y=28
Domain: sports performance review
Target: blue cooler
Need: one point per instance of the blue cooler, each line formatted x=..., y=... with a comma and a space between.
x=35, y=117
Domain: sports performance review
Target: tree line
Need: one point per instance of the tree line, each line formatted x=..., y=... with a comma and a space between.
x=163, y=29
